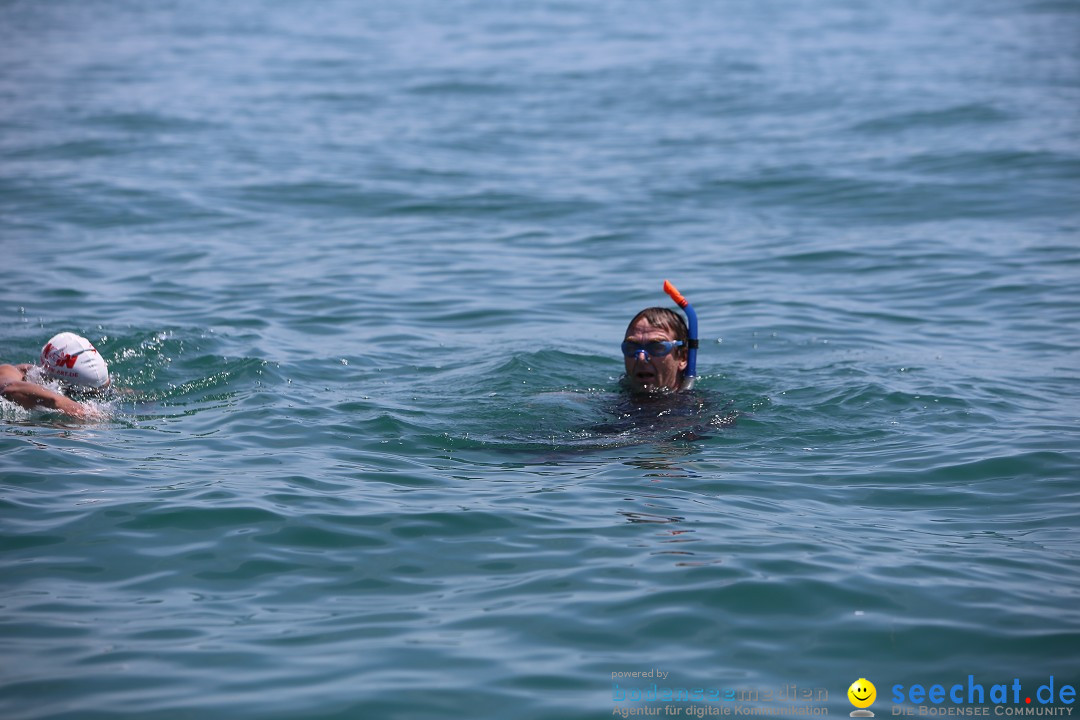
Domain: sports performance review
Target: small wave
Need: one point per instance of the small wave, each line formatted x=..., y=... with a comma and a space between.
x=139, y=122
x=461, y=87
x=968, y=114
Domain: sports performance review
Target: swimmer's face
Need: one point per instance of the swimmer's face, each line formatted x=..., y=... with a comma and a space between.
x=655, y=373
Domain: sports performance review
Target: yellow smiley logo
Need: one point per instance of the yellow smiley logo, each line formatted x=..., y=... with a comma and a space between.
x=862, y=693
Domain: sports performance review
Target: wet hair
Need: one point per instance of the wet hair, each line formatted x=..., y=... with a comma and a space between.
x=668, y=320
x=82, y=392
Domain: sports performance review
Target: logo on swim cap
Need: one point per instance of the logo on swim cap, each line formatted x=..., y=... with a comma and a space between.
x=71, y=358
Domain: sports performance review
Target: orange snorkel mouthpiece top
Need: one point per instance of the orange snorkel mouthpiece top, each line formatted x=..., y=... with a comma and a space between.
x=675, y=295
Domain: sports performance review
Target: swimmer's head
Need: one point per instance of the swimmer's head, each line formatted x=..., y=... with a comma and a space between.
x=72, y=360
x=645, y=372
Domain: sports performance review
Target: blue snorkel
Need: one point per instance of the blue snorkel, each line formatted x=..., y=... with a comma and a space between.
x=690, y=374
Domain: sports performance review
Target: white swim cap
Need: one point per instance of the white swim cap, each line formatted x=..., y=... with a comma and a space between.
x=71, y=358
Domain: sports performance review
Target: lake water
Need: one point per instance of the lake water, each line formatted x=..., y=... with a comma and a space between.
x=362, y=270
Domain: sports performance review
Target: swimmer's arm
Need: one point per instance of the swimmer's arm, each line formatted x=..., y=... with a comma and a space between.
x=31, y=396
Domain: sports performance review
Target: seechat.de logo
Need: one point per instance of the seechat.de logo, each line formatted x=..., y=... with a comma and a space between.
x=974, y=698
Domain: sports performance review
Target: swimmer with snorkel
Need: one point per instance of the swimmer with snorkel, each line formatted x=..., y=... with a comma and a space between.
x=660, y=348
x=67, y=357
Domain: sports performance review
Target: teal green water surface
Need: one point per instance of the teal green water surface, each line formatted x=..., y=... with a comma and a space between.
x=360, y=271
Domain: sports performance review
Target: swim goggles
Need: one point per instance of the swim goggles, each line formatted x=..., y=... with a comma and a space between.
x=658, y=348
